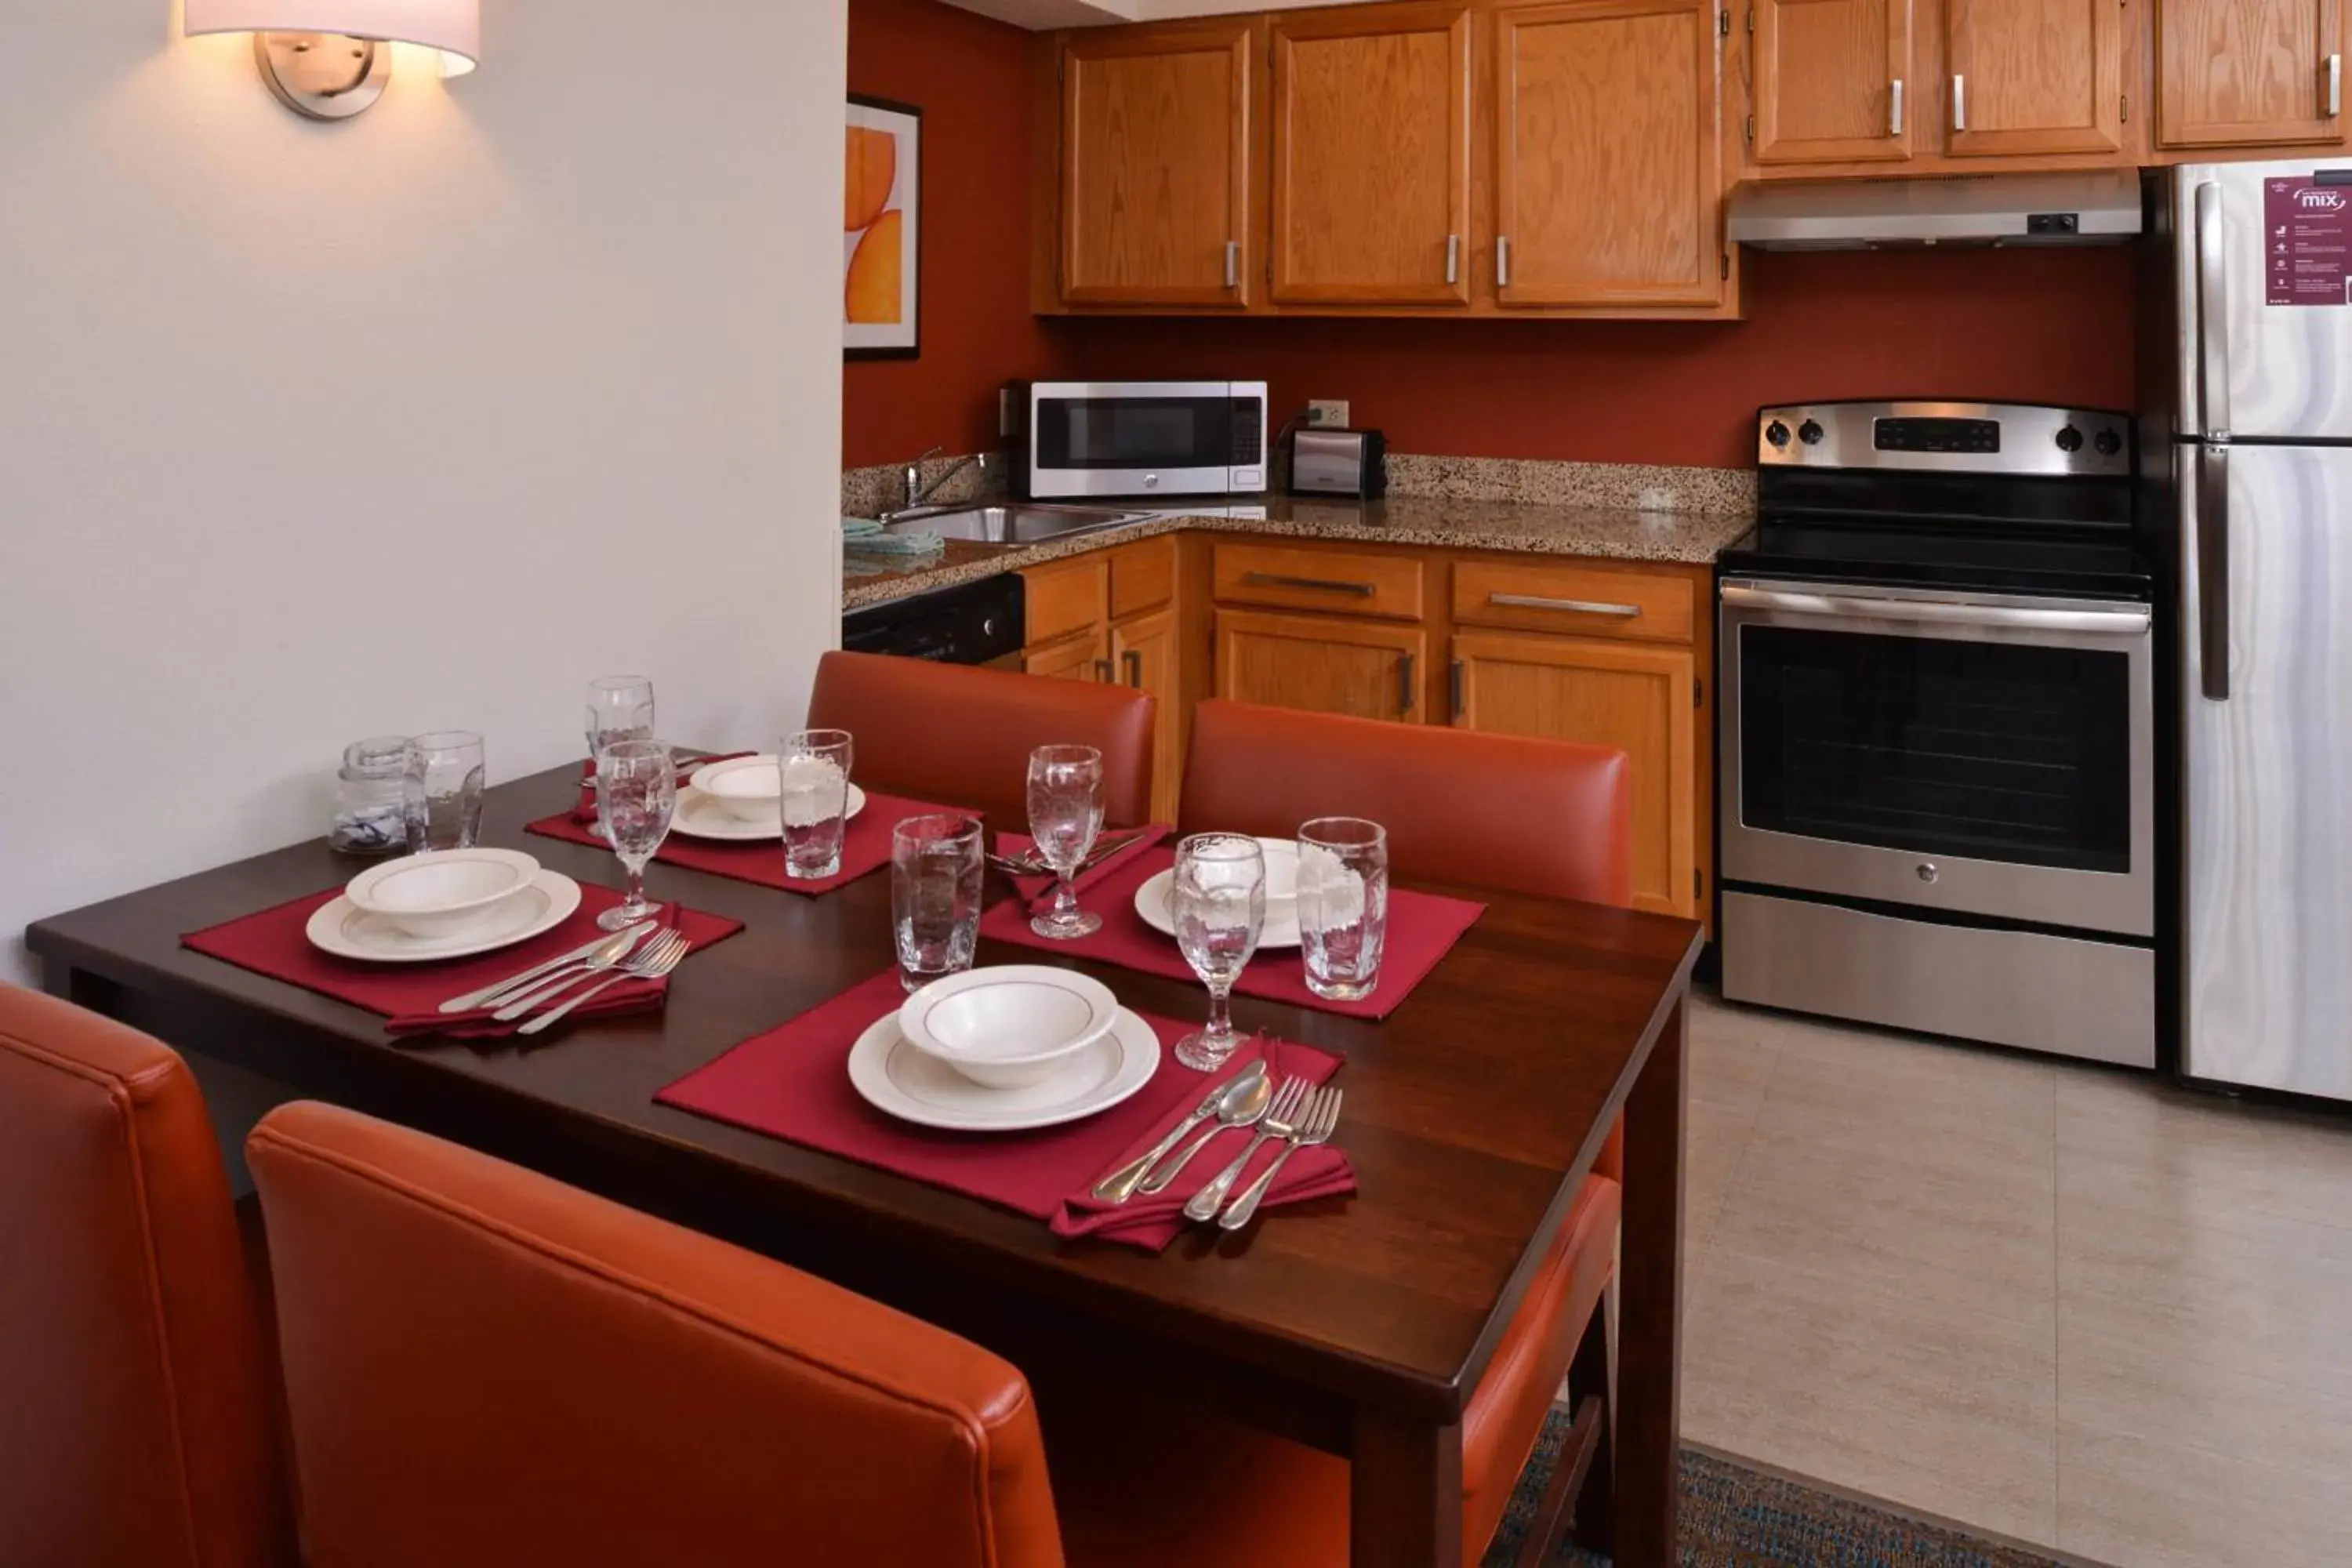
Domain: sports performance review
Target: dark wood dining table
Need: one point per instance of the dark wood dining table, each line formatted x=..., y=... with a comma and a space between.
x=1359, y=1325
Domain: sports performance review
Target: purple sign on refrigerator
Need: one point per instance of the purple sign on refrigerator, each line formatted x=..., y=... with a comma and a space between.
x=2306, y=242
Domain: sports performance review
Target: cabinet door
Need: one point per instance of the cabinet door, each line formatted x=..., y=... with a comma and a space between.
x=2034, y=76
x=1372, y=156
x=1085, y=657
x=1608, y=187
x=1640, y=700
x=1832, y=80
x=1155, y=166
x=1322, y=664
x=1144, y=656
x=2249, y=73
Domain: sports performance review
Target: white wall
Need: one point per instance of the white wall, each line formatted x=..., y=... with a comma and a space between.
x=311, y=432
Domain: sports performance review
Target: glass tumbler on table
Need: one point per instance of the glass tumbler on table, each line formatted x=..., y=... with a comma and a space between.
x=1343, y=905
x=620, y=708
x=441, y=790
x=1218, y=904
x=935, y=886
x=813, y=769
x=1065, y=816
x=636, y=791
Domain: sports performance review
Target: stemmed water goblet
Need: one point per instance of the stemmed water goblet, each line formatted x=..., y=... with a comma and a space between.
x=636, y=791
x=1066, y=815
x=1218, y=904
x=620, y=708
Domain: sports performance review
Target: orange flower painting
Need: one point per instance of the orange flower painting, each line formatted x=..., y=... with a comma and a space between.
x=880, y=216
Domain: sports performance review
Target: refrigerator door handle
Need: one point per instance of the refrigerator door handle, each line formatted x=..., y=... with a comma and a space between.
x=2213, y=571
x=2212, y=315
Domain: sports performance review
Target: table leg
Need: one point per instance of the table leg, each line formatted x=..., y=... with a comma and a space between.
x=1405, y=1494
x=1650, y=1325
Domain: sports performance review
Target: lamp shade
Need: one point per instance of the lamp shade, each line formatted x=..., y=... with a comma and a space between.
x=452, y=26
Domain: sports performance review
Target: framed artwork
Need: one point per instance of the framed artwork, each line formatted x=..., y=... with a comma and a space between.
x=881, y=238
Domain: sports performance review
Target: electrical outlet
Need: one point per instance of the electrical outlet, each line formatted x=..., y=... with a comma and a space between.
x=1326, y=411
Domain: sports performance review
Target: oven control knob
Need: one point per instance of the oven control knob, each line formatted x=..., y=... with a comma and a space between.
x=1777, y=433
x=2107, y=443
x=1927, y=872
x=1809, y=433
x=2069, y=438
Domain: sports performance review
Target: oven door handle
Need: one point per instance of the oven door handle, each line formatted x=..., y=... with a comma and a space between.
x=2122, y=621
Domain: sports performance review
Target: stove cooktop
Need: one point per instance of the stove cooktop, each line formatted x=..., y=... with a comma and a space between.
x=2099, y=566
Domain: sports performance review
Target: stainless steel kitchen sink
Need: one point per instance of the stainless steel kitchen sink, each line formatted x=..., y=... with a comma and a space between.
x=1016, y=523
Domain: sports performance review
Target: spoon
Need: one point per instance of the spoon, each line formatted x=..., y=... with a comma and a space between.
x=1243, y=1101
x=1119, y=1185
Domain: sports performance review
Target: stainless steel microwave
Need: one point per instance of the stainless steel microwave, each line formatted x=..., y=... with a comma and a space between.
x=1139, y=438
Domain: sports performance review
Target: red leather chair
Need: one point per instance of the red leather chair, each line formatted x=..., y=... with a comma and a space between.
x=962, y=736
x=486, y=1367
x=1535, y=816
x=136, y=1412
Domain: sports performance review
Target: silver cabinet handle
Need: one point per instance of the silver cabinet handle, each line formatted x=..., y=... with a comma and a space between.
x=1323, y=584
x=1894, y=107
x=1455, y=684
x=1134, y=668
x=1502, y=261
x=2213, y=571
x=1102, y=671
x=1452, y=259
x=1578, y=607
x=2335, y=86
x=2122, y=621
x=1959, y=101
x=1405, y=684
x=1232, y=264
x=2213, y=315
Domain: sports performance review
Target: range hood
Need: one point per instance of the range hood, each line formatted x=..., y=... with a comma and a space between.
x=2101, y=208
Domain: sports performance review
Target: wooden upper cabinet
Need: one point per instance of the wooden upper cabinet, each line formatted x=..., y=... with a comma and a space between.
x=2249, y=73
x=1607, y=173
x=1832, y=80
x=2034, y=76
x=1371, y=156
x=1155, y=171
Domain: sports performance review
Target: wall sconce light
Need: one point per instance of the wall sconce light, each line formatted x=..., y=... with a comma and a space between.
x=329, y=60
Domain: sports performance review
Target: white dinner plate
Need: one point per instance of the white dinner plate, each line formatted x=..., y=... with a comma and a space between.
x=699, y=816
x=899, y=1080
x=1151, y=903
x=344, y=928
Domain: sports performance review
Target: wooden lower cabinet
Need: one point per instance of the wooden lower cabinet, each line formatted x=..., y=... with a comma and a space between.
x=1322, y=664
x=1085, y=657
x=1144, y=656
x=1641, y=699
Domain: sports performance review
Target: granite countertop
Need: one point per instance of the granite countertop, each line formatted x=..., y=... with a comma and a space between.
x=1613, y=533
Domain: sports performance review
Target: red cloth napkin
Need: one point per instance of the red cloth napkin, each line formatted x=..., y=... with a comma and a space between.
x=865, y=846
x=272, y=943
x=1423, y=929
x=793, y=1083
x=1039, y=890
x=584, y=811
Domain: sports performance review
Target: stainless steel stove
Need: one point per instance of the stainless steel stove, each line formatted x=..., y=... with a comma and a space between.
x=1937, y=662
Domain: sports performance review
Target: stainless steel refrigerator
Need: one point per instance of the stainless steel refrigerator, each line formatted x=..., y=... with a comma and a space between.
x=2247, y=440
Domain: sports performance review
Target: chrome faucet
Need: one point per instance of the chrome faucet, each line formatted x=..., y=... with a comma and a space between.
x=917, y=493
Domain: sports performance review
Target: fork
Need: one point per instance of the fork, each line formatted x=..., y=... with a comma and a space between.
x=1281, y=1119
x=665, y=954
x=1316, y=1124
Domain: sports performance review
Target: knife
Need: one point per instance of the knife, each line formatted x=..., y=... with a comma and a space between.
x=473, y=999
x=1121, y=1185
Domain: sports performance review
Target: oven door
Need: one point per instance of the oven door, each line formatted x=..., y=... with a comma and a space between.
x=1988, y=754
x=1142, y=437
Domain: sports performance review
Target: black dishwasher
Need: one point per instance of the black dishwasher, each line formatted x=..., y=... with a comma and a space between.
x=975, y=623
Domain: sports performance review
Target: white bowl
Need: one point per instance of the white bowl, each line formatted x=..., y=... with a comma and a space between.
x=443, y=893
x=1281, y=878
x=1009, y=1026
x=746, y=788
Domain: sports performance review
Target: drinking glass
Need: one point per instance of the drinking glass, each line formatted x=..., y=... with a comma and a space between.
x=620, y=708
x=935, y=880
x=441, y=790
x=636, y=790
x=1343, y=905
x=1219, y=907
x=1066, y=813
x=813, y=774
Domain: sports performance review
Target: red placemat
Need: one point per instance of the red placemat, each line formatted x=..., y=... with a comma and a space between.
x=1423, y=929
x=865, y=846
x=272, y=943
x=793, y=1083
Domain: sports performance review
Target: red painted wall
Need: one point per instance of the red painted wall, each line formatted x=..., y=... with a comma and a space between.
x=2029, y=325
x=971, y=77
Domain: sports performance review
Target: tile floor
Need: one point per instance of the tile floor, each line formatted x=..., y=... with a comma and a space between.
x=2055, y=1302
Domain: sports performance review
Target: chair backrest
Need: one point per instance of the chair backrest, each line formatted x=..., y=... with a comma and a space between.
x=136, y=1417
x=484, y=1366
x=961, y=735
x=1549, y=817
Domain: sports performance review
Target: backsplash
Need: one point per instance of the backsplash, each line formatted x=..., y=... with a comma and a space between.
x=869, y=493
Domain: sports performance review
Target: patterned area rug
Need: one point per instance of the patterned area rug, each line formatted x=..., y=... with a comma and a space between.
x=1733, y=1517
